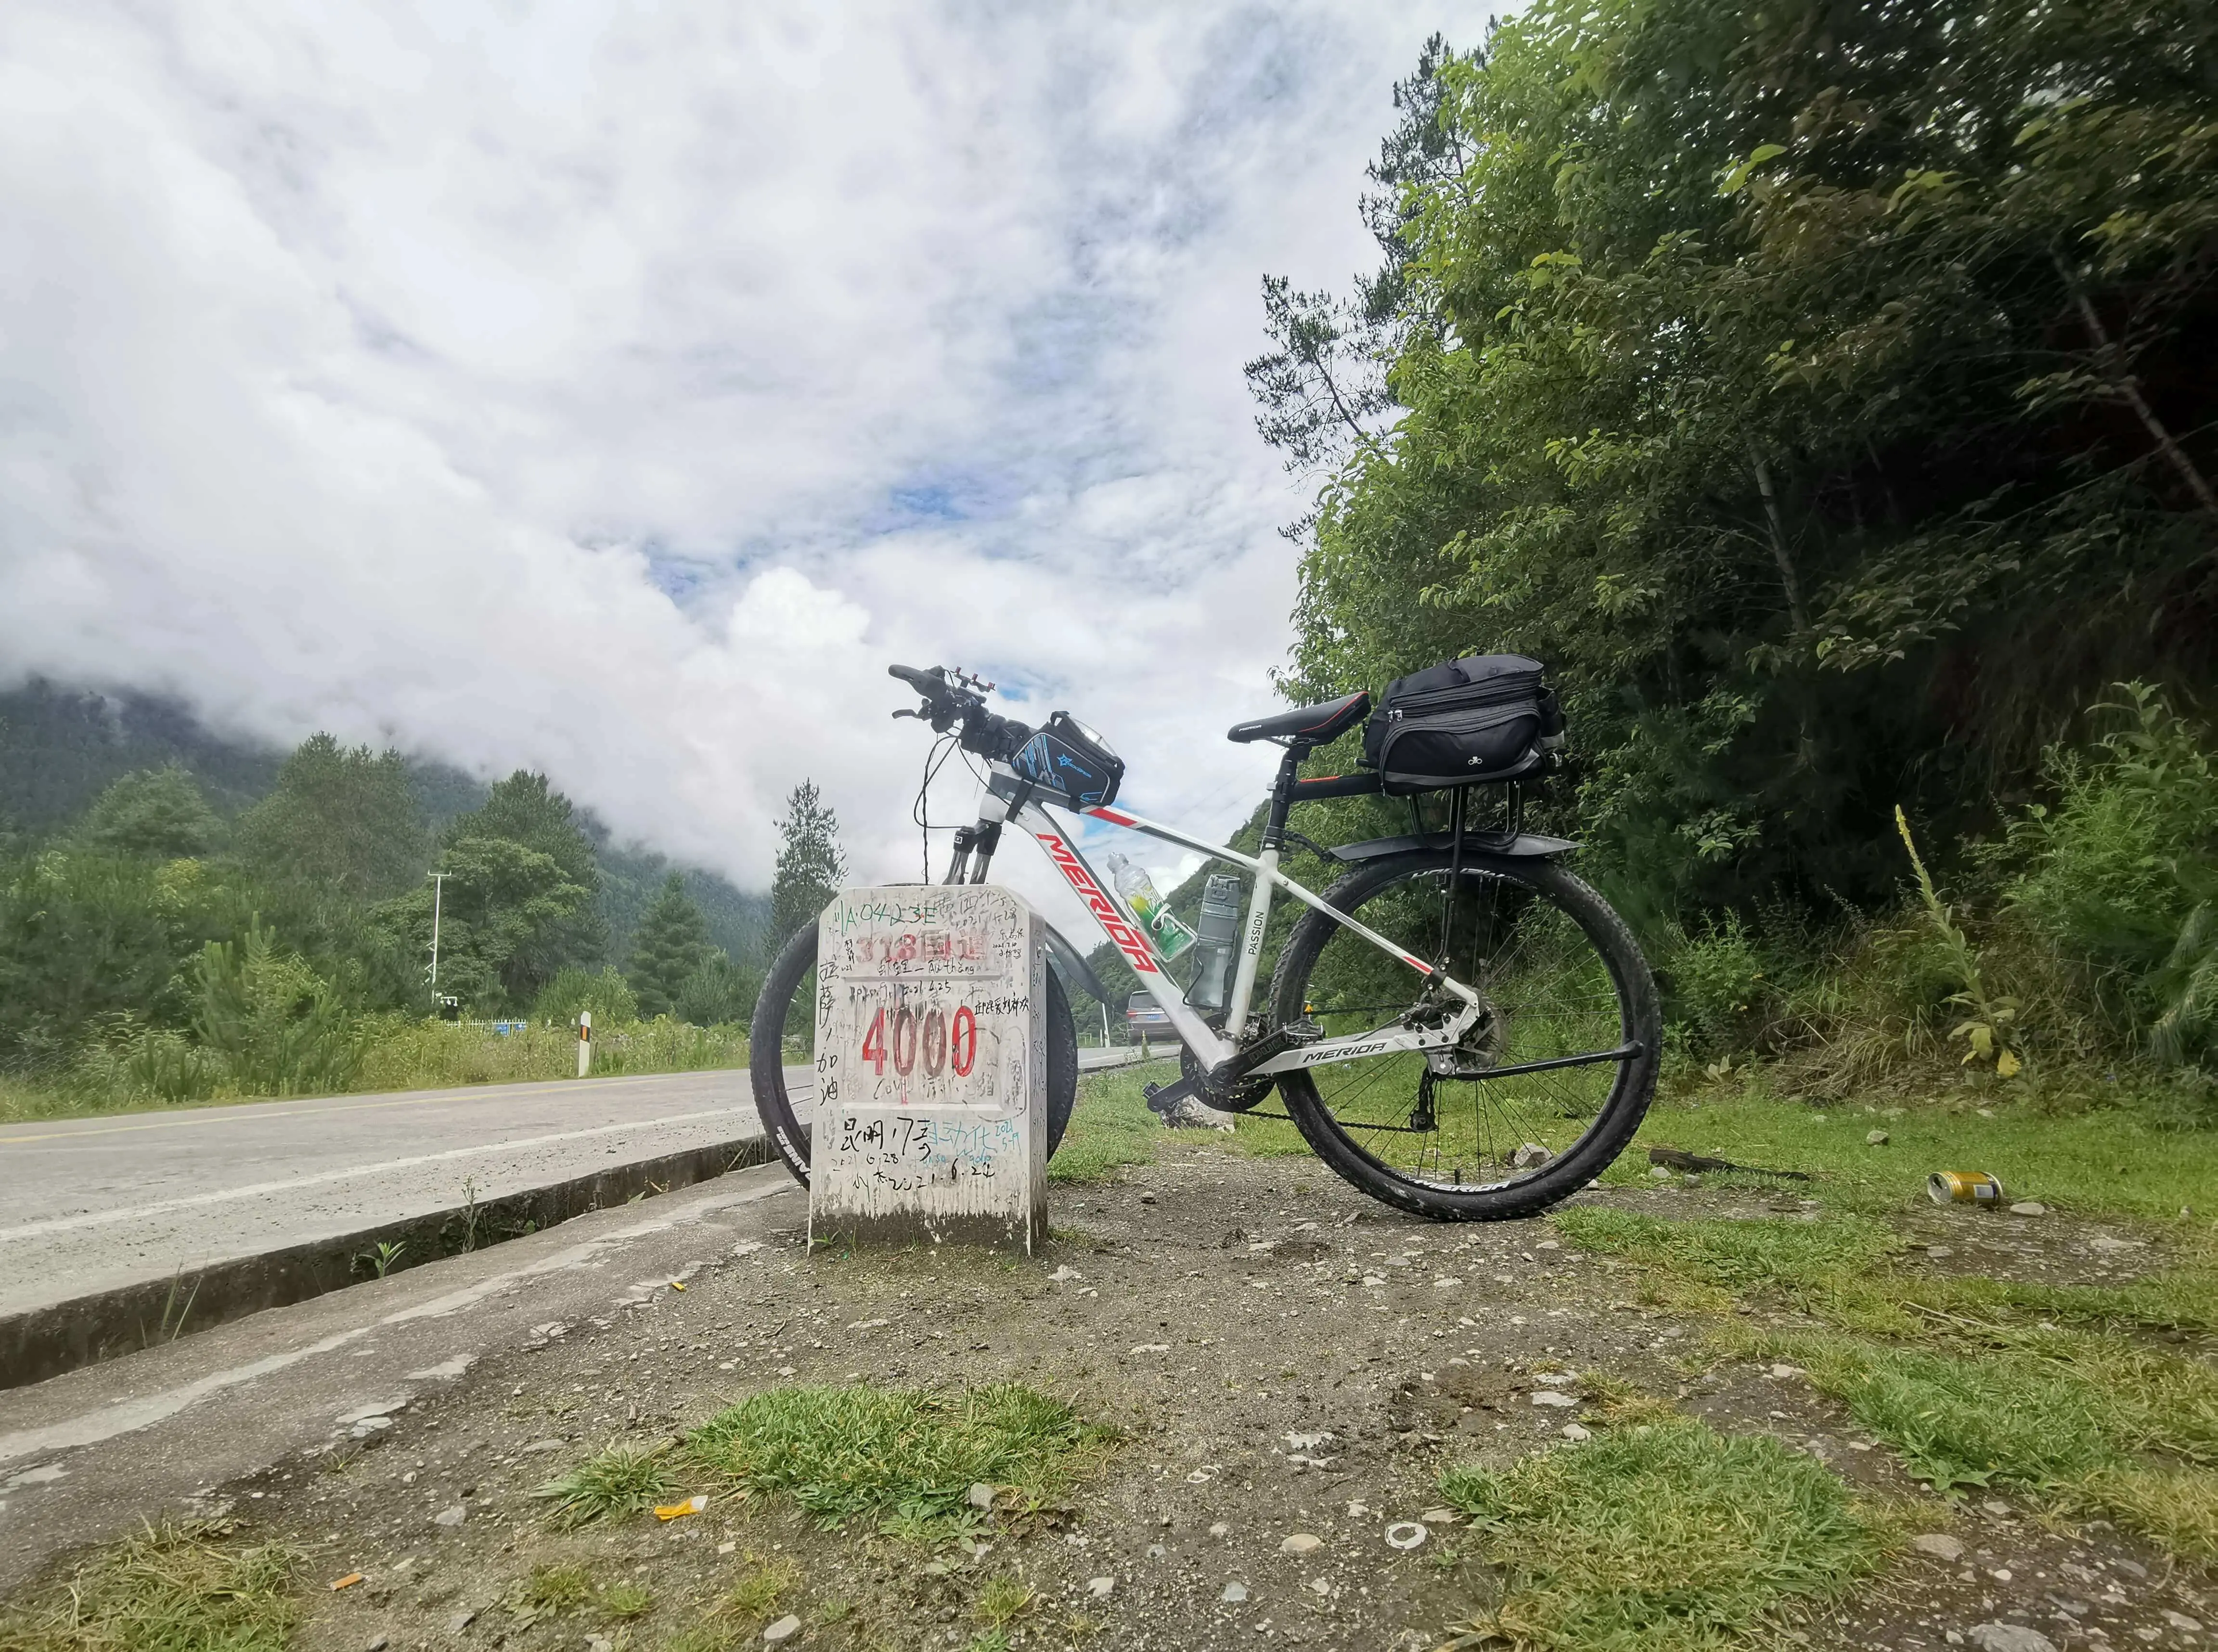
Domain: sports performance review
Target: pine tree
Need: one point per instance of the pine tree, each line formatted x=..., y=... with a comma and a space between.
x=156, y=812
x=343, y=821
x=811, y=865
x=672, y=946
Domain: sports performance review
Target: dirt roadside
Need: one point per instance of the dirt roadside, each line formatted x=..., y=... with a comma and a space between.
x=1284, y=1359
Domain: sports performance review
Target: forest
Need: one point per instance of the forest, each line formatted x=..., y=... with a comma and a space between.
x=1828, y=395
x=182, y=918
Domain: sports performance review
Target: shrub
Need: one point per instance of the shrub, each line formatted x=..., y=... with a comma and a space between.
x=2122, y=874
x=1719, y=992
x=607, y=995
x=279, y=1026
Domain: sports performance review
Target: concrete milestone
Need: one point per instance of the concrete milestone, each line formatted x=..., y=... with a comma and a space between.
x=931, y=1068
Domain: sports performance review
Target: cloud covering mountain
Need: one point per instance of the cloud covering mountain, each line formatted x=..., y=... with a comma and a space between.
x=616, y=388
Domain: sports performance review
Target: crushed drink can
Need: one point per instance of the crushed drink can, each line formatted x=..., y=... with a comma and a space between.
x=1963, y=1187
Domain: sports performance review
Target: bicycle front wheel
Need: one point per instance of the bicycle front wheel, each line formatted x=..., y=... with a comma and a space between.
x=1543, y=1091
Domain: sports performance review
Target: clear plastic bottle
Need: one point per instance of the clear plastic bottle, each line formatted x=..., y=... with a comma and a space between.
x=1170, y=935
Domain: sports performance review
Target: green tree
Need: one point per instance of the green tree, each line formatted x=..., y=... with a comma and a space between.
x=156, y=812
x=501, y=903
x=718, y=992
x=810, y=864
x=343, y=821
x=280, y=1027
x=86, y=936
x=525, y=810
x=672, y=946
x=604, y=992
x=1809, y=385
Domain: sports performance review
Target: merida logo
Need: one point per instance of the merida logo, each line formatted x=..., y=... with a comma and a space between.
x=1340, y=1052
x=1104, y=909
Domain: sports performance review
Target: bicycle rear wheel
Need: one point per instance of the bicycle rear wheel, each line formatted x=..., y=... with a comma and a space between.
x=783, y=1034
x=1464, y=1135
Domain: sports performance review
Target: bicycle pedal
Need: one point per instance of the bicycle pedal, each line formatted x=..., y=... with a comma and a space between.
x=1303, y=1031
x=1163, y=1099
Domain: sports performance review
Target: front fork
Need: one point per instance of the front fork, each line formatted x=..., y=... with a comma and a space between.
x=974, y=853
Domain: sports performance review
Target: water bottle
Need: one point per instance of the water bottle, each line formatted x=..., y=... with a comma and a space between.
x=1170, y=937
x=1218, y=930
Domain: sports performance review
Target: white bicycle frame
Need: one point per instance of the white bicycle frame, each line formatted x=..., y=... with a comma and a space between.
x=1129, y=937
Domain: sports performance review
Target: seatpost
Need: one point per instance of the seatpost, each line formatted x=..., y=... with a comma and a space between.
x=1259, y=911
x=1282, y=796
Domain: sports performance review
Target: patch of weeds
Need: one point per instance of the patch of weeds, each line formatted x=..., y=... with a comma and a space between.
x=2112, y=1161
x=1783, y=1255
x=702, y=1637
x=2060, y=1415
x=1268, y=1138
x=549, y=1592
x=1617, y=1403
x=1666, y=1535
x=624, y=1600
x=903, y=1456
x=735, y=1619
x=835, y=1610
x=1110, y=1127
x=762, y=1588
x=617, y=1480
x=989, y=1640
x=2183, y=1300
x=1005, y=1599
x=174, y=1587
x=2175, y=1508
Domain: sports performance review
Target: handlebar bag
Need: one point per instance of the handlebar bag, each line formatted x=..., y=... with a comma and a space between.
x=1486, y=718
x=1071, y=763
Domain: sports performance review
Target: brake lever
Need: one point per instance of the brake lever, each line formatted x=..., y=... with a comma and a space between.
x=919, y=715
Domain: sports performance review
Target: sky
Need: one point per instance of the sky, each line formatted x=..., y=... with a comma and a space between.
x=616, y=389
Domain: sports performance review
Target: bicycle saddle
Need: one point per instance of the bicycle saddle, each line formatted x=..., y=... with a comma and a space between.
x=1325, y=720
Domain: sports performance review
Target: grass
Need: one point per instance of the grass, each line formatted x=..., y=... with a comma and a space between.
x=2119, y=1162
x=2087, y=1424
x=1110, y=1127
x=406, y=1054
x=1005, y=1599
x=904, y=1456
x=755, y=1595
x=1663, y=1535
x=740, y=1615
x=618, y=1480
x=2050, y=1391
x=174, y=1587
x=624, y=1600
x=549, y=1592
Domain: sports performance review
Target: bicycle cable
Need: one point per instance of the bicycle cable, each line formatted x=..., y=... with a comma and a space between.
x=934, y=761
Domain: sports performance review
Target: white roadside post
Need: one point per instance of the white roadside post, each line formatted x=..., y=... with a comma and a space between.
x=931, y=1112
x=584, y=1042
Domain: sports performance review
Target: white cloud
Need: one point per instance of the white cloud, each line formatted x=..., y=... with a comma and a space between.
x=618, y=389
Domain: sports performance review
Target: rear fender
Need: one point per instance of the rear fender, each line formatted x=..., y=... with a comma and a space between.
x=1526, y=845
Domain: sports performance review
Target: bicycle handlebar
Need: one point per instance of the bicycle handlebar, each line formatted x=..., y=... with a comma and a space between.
x=946, y=704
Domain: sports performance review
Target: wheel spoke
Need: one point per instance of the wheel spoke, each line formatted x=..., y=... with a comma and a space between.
x=1567, y=1046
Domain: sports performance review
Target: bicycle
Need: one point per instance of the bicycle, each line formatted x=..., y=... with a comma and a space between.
x=1459, y=1026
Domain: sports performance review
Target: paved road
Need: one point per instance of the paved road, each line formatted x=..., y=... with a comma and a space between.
x=91, y=1204
x=82, y=1457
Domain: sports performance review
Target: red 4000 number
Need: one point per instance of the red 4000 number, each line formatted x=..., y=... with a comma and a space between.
x=939, y=1040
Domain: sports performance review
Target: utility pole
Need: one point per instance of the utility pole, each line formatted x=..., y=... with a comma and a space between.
x=438, y=889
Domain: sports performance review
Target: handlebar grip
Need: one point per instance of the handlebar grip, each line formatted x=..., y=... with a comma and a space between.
x=928, y=684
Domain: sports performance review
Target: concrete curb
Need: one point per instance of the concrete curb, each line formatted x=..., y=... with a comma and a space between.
x=46, y=1342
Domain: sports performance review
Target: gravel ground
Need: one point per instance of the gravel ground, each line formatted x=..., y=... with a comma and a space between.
x=1290, y=1366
